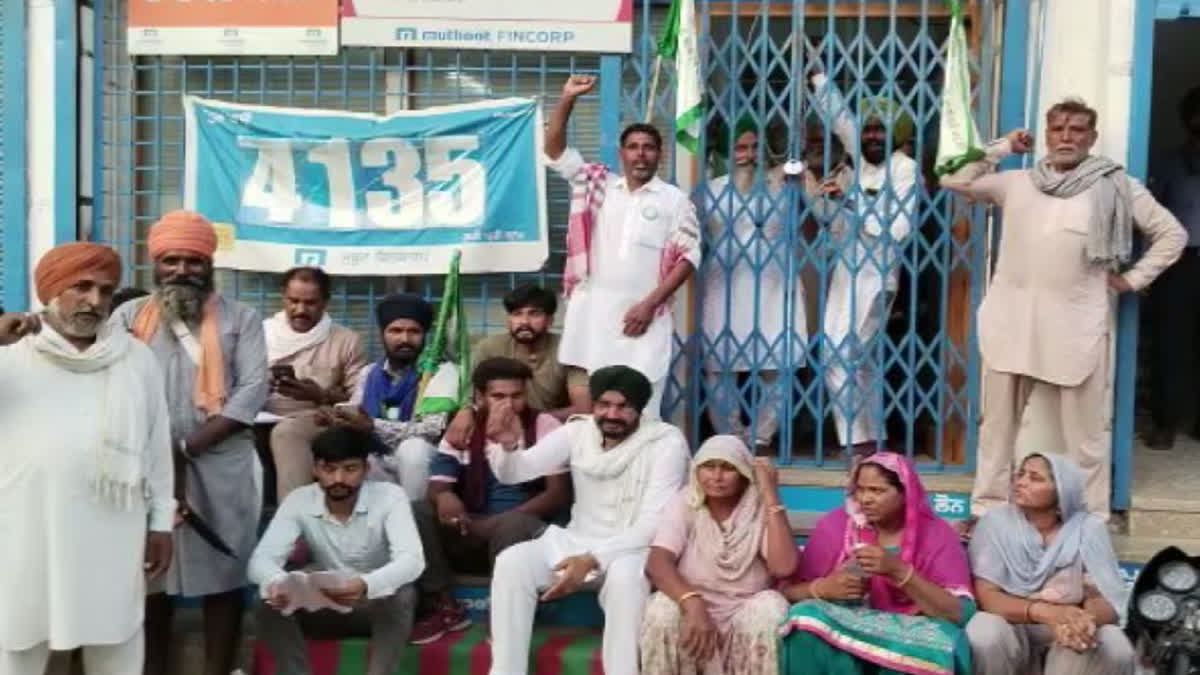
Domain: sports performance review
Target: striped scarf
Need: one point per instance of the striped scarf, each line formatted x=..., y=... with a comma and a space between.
x=588, y=187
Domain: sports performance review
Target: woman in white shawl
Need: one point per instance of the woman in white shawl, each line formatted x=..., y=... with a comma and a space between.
x=719, y=547
x=1050, y=594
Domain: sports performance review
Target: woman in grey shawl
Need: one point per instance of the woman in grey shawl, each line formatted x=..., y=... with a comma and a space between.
x=1046, y=579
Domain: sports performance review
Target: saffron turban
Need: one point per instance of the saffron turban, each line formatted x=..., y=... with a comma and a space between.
x=625, y=381
x=63, y=266
x=182, y=231
x=404, y=306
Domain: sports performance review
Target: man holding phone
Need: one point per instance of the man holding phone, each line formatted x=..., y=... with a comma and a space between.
x=313, y=362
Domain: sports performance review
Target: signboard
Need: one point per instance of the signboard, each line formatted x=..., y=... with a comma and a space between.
x=306, y=27
x=364, y=194
x=575, y=26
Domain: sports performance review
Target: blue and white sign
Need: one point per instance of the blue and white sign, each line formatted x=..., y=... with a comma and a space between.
x=364, y=194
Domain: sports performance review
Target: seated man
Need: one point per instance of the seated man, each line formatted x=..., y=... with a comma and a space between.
x=624, y=469
x=385, y=397
x=470, y=517
x=350, y=525
x=314, y=362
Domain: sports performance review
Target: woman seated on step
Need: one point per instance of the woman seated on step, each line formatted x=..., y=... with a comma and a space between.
x=1049, y=589
x=719, y=548
x=882, y=585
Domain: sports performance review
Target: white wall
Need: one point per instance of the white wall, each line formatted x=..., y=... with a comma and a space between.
x=40, y=130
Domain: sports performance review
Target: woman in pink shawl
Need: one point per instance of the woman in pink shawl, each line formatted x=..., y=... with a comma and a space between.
x=882, y=586
x=719, y=549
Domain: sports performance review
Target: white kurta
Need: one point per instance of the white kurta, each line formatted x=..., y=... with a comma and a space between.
x=70, y=565
x=868, y=247
x=628, y=239
x=745, y=290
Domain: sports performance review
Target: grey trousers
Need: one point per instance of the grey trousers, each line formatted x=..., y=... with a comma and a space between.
x=391, y=621
x=1001, y=648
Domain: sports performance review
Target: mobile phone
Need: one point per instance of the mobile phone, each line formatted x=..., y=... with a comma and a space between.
x=345, y=407
x=283, y=372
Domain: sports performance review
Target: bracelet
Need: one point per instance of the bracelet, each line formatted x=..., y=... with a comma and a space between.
x=812, y=589
x=687, y=596
x=908, y=577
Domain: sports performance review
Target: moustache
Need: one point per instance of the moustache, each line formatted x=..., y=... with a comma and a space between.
x=186, y=280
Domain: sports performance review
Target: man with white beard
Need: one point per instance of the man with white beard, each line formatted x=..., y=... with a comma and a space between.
x=745, y=294
x=214, y=357
x=85, y=475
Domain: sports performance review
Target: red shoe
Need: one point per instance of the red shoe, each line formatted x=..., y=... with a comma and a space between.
x=448, y=618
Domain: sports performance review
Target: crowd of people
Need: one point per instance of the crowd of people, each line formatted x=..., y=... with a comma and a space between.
x=555, y=472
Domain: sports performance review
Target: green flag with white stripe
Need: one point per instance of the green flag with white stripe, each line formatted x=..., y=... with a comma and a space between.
x=678, y=43
x=958, y=137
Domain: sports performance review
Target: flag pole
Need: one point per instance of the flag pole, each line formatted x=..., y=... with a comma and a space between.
x=653, y=89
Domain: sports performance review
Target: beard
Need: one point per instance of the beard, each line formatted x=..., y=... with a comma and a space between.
x=616, y=430
x=83, y=322
x=182, y=298
x=525, y=335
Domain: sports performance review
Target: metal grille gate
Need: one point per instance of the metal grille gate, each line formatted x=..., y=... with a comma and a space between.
x=754, y=64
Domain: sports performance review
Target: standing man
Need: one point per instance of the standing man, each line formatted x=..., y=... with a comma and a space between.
x=359, y=528
x=470, y=516
x=868, y=246
x=387, y=395
x=214, y=359
x=1044, y=323
x=1176, y=296
x=313, y=362
x=85, y=480
x=745, y=293
x=558, y=390
x=632, y=240
x=625, y=469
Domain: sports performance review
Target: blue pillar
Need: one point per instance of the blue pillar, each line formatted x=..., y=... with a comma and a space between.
x=13, y=65
x=1125, y=382
x=610, y=108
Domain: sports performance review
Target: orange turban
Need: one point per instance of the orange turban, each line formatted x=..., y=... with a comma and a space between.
x=63, y=266
x=182, y=231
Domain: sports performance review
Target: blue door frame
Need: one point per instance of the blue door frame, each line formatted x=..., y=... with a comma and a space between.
x=1145, y=14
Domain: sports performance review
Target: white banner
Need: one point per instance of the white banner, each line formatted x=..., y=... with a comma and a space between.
x=575, y=26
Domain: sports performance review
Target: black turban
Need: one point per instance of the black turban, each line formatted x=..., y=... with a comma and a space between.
x=403, y=306
x=625, y=381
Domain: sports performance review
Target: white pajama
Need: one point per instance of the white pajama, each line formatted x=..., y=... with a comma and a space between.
x=124, y=658
x=526, y=569
x=600, y=526
x=408, y=467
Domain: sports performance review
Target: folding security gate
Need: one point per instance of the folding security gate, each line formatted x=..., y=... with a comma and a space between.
x=755, y=56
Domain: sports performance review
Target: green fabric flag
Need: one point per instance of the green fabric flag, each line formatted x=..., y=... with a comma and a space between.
x=678, y=43
x=438, y=396
x=958, y=137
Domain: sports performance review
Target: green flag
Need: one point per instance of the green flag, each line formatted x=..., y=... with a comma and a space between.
x=678, y=43
x=437, y=396
x=958, y=137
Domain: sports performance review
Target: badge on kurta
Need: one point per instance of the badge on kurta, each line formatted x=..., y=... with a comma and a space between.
x=649, y=212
